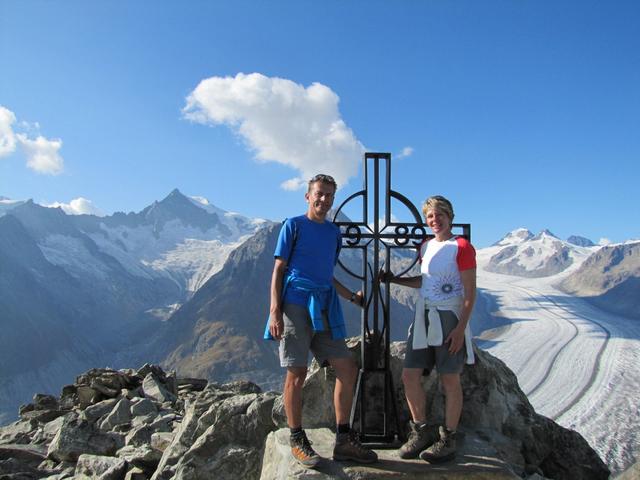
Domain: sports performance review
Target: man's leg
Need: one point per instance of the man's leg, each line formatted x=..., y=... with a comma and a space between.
x=293, y=395
x=348, y=446
x=346, y=375
x=453, y=399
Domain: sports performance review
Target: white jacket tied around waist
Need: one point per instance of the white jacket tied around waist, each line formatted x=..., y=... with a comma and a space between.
x=434, y=336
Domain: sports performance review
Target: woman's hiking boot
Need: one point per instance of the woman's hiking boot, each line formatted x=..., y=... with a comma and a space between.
x=418, y=440
x=302, y=451
x=443, y=450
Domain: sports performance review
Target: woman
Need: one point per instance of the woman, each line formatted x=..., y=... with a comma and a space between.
x=440, y=334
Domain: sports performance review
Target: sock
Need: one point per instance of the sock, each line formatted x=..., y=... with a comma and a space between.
x=343, y=428
x=295, y=431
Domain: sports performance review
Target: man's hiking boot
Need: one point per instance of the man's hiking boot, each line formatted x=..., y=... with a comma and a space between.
x=443, y=450
x=418, y=440
x=302, y=451
x=348, y=447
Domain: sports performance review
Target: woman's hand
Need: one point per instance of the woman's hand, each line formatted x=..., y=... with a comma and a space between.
x=384, y=277
x=455, y=339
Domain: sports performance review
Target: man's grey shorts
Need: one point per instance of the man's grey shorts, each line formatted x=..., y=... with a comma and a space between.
x=299, y=338
x=437, y=355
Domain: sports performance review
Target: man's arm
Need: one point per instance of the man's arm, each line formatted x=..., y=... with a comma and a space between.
x=276, y=323
x=344, y=292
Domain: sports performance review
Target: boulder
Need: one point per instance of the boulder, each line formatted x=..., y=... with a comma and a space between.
x=100, y=467
x=476, y=459
x=120, y=415
x=154, y=389
x=93, y=412
x=494, y=409
x=248, y=422
x=77, y=437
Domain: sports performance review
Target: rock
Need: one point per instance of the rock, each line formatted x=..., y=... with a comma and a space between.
x=139, y=436
x=154, y=389
x=476, y=459
x=51, y=428
x=18, y=432
x=42, y=416
x=161, y=440
x=76, y=437
x=45, y=402
x=13, y=469
x=87, y=396
x=204, y=412
x=136, y=474
x=142, y=407
x=120, y=415
x=94, y=412
x=192, y=384
x=103, y=389
x=228, y=448
x=142, y=456
x=32, y=455
x=156, y=370
x=100, y=467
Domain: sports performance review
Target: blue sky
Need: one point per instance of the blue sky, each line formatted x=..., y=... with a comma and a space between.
x=523, y=113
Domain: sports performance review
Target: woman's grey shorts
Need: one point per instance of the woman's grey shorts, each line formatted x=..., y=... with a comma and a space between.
x=436, y=355
x=299, y=338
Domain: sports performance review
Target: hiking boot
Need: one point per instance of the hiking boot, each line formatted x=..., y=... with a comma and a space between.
x=302, y=451
x=418, y=440
x=348, y=447
x=443, y=450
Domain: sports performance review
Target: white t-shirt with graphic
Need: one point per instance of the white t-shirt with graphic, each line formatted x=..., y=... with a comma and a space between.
x=441, y=264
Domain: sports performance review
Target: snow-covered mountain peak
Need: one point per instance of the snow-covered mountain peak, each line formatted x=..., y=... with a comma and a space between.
x=516, y=236
x=6, y=204
x=546, y=233
x=523, y=254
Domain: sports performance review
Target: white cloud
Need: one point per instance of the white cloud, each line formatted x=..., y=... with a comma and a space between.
x=294, y=184
x=281, y=121
x=406, y=152
x=604, y=241
x=7, y=137
x=78, y=206
x=42, y=154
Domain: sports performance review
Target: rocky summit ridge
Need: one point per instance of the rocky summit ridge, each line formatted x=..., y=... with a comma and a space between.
x=148, y=424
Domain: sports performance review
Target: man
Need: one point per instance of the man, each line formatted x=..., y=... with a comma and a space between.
x=305, y=316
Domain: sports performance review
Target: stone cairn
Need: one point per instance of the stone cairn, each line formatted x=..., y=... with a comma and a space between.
x=134, y=425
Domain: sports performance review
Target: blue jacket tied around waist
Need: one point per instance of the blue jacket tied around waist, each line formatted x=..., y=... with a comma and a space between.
x=317, y=293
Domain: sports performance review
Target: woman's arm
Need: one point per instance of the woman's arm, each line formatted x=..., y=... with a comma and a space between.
x=456, y=337
x=412, y=282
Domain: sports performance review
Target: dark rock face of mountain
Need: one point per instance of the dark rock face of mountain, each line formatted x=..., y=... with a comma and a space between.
x=148, y=424
x=609, y=278
x=218, y=333
x=580, y=241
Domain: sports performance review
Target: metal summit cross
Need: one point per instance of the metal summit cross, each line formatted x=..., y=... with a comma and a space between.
x=375, y=413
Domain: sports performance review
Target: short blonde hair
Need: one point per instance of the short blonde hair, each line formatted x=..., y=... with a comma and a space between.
x=439, y=202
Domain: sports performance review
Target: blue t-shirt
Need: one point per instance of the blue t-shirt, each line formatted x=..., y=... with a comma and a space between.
x=316, y=250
